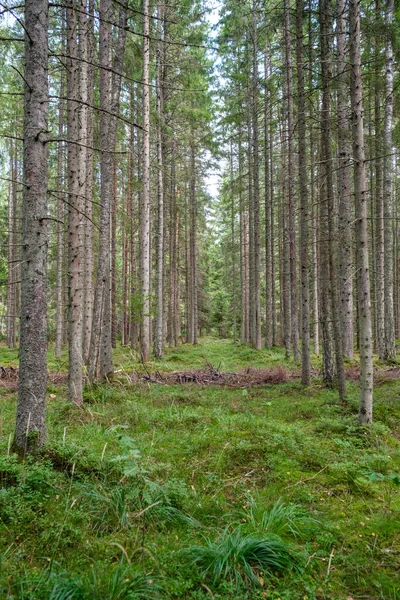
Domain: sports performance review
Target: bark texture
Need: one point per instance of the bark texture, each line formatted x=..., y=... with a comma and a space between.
x=363, y=283
x=30, y=430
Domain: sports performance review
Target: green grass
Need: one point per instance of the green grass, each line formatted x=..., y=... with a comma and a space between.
x=180, y=492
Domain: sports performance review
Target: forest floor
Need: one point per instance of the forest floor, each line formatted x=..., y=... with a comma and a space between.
x=199, y=491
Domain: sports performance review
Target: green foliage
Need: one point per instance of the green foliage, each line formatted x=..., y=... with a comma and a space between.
x=150, y=471
x=241, y=558
x=280, y=519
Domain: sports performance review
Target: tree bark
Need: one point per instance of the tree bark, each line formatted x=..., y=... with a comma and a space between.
x=30, y=429
x=304, y=212
x=75, y=213
x=88, y=231
x=363, y=287
x=345, y=207
x=60, y=216
x=291, y=199
x=159, y=326
x=255, y=295
x=326, y=151
x=145, y=212
x=12, y=253
x=389, y=345
x=100, y=354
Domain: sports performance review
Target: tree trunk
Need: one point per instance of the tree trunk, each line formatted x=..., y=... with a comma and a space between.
x=159, y=327
x=267, y=194
x=100, y=354
x=291, y=200
x=75, y=213
x=304, y=213
x=60, y=217
x=30, y=429
x=12, y=247
x=88, y=232
x=145, y=212
x=389, y=346
x=363, y=287
x=193, y=247
x=255, y=295
x=326, y=151
x=345, y=207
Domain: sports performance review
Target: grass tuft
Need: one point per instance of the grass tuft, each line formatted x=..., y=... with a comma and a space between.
x=240, y=558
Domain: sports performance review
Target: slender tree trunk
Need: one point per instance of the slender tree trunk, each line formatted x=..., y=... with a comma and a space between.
x=389, y=346
x=233, y=247
x=75, y=213
x=60, y=217
x=314, y=205
x=88, y=232
x=285, y=253
x=12, y=246
x=193, y=247
x=304, y=213
x=267, y=194
x=114, y=218
x=100, y=354
x=255, y=296
x=325, y=24
x=291, y=200
x=159, y=328
x=145, y=212
x=379, y=221
x=345, y=207
x=30, y=429
x=363, y=288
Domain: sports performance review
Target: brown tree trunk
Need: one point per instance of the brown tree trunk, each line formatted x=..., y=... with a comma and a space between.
x=345, y=207
x=363, y=287
x=326, y=151
x=60, y=236
x=30, y=429
x=389, y=345
x=159, y=325
x=12, y=250
x=291, y=199
x=75, y=213
x=145, y=209
x=304, y=212
x=88, y=232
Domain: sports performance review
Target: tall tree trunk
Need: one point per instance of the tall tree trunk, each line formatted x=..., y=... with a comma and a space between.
x=233, y=248
x=325, y=24
x=255, y=294
x=314, y=204
x=389, y=346
x=88, y=232
x=267, y=194
x=145, y=209
x=363, y=287
x=291, y=200
x=100, y=354
x=12, y=246
x=345, y=207
x=193, y=247
x=75, y=213
x=60, y=216
x=379, y=221
x=304, y=213
x=30, y=429
x=159, y=327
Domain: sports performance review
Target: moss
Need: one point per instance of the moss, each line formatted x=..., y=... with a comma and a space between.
x=200, y=451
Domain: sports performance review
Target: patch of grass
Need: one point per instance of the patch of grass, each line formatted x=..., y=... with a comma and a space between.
x=240, y=558
x=147, y=471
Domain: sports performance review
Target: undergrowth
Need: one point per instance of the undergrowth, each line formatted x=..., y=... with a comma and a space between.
x=194, y=492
